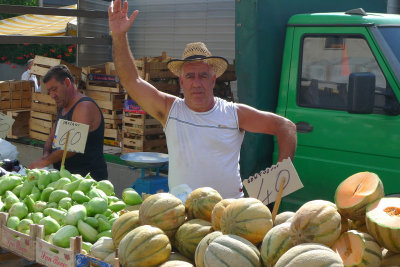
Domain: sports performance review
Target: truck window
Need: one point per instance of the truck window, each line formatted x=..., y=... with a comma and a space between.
x=326, y=63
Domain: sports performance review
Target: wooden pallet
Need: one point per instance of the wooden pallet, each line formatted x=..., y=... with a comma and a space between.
x=18, y=243
x=43, y=103
x=15, y=94
x=20, y=127
x=41, y=66
x=40, y=125
x=142, y=124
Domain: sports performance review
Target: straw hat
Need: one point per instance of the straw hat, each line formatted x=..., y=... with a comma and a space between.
x=198, y=52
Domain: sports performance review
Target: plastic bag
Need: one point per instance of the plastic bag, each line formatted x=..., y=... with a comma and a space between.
x=7, y=150
x=181, y=191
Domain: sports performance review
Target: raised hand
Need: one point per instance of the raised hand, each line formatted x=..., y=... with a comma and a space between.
x=118, y=20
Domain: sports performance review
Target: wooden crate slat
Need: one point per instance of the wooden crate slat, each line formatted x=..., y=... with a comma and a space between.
x=111, y=105
x=111, y=133
x=45, y=108
x=38, y=136
x=43, y=98
x=41, y=123
x=143, y=131
x=43, y=116
x=15, y=103
x=117, y=89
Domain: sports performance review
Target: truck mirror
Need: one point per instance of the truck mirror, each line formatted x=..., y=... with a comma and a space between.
x=361, y=94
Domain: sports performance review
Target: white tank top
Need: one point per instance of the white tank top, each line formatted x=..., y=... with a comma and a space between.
x=204, y=147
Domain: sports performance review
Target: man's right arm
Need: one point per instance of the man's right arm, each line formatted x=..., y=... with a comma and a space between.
x=154, y=102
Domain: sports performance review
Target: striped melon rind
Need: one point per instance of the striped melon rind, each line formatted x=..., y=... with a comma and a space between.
x=276, y=242
x=357, y=210
x=202, y=246
x=383, y=222
x=146, y=245
x=231, y=250
x=217, y=212
x=163, y=210
x=317, y=221
x=248, y=218
x=358, y=249
x=200, y=203
x=310, y=255
x=189, y=236
x=283, y=217
x=123, y=225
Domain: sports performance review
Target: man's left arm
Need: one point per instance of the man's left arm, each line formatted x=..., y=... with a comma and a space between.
x=257, y=121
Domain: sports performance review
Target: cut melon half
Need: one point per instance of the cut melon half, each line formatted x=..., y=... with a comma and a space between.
x=358, y=249
x=383, y=222
x=356, y=192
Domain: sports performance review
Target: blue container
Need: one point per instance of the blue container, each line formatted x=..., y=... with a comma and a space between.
x=151, y=185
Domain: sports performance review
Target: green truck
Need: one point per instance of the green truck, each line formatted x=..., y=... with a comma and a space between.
x=340, y=85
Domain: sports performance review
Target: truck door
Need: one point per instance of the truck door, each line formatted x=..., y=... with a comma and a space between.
x=333, y=143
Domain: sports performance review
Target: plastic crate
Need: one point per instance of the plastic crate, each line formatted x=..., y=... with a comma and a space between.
x=151, y=185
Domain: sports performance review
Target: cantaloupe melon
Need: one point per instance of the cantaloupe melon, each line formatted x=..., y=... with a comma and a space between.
x=317, y=221
x=231, y=250
x=356, y=192
x=123, y=225
x=310, y=255
x=383, y=222
x=176, y=263
x=145, y=245
x=217, y=212
x=276, y=242
x=163, y=210
x=248, y=218
x=358, y=249
x=283, y=217
x=202, y=246
x=200, y=203
x=189, y=236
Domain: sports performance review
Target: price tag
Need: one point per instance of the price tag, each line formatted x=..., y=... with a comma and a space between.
x=6, y=123
x=78, y=133
x=265, y=185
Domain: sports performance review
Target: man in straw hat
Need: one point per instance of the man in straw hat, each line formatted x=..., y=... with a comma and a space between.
x=204, y=133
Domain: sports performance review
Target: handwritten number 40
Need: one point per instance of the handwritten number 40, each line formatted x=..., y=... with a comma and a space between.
x=74, y=137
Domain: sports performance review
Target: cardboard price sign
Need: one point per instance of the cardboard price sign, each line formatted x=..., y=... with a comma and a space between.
x=78, y=133
x=265, y=185
x=6, y=123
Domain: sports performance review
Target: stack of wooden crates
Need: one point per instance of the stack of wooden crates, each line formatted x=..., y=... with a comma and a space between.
x=103, y=86
x=43, y=108
x=141, y=132
x=15, y=101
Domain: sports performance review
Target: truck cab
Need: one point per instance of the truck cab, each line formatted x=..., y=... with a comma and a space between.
x=340, y=85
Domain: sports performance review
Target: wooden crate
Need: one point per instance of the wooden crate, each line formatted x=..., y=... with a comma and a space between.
x=15, y=94
x=41, y=66
x=142, y=124
x=102, y=68
x=143, y=143
x=170, y=86
x=18, y=243
x=82, y=260
x=40, y=125
x=229, y=75
x=20, y=127
x=154, y=67
x=113, y=88
x=105, y=100
x=112, y=114
x=54, y=256
x=43, y=103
